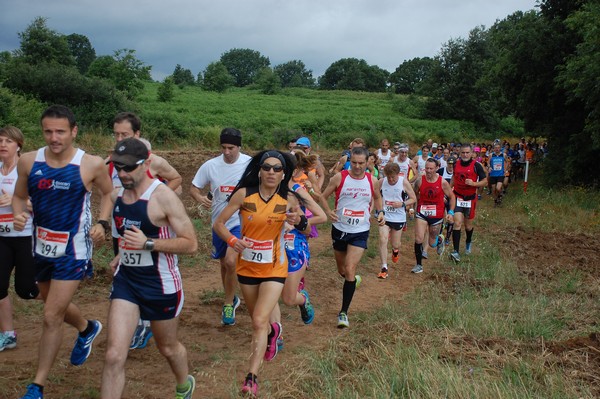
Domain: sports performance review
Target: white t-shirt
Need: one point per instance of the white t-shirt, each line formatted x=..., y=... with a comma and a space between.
x=222, y=178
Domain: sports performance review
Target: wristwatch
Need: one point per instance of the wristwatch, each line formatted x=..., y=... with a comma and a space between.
x=149, y=245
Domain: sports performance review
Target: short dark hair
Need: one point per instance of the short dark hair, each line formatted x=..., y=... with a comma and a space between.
x=133, y=119
x=360, y=151
x=60, y=112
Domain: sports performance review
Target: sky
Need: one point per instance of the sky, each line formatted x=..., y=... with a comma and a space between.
x=194, y=33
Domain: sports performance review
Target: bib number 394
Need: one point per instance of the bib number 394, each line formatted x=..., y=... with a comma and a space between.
x=259, y=252
x=50, y=243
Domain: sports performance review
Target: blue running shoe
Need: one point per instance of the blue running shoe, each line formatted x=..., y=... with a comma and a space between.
x=187, y=394
x=307, y=312
x=83, y=345
x=228, y=313
x=343, y=321
x=279, y=344
x=33, y=392
x=455, y=256
x=7, y=341
x=468, y=249
x=142, y=335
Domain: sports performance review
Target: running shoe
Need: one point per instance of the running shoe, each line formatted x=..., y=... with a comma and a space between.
x=301, y=284
x=395, y=256
x=228, y=313
x=279, y=344
x=271, y=351
x=33, y=392
x=417, y=269
x=250, y=387
x=468, y=249
x=83, y=345
x=343, y=320
x=447, y=241
x=383, y=274
x=307, y=311
x=479, y=197
x=7, y=341
x=424, y=254
x=188, y=392
x=358, y=280
x=455, y=256
x=142, y=335
x=440, y=245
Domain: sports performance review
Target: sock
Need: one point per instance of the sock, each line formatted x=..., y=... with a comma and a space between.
x=456, y=239
x=41, y=387
x=449, y=229
x=347, y=294
x=251, y=377
x=182, y=388
x=146, y=323
x=469, y=235
x=395, y=251
x=10, y=333
x=384, y=266
x=88, y=329
x=419, y=253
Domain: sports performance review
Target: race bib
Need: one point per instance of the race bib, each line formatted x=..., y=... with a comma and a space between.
x=463, y=203
x=428, y=210
x=259, y=252
x=226, y=191
x=388, y=207
x=6, y=223
x=289, y=240
x=497, y=167
x=50, y=243
x=351, y=217
x=134, y=257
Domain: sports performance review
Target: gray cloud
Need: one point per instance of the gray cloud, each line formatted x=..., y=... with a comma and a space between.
x=195, y=33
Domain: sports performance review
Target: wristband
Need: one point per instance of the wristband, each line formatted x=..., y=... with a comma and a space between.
x=232, y=240
x=451, y=212
x=378, y=212
x=104, y=224
x=302, y=224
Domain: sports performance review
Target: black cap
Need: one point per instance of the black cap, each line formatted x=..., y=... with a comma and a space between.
x=130, y=151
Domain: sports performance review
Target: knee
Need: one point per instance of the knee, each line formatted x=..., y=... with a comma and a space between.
x=289, y=298
x=168, y=349
x=260, y=323
x=53, y=318
x=114, y=358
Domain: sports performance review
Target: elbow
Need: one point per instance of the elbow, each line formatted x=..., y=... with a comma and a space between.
x=192, y=248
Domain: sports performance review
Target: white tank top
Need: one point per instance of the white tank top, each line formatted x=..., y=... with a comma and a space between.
x=393, y=194
x=421, y=165
x=404, y=167
x=353, y=203
x=384, y=159
x=7, y=184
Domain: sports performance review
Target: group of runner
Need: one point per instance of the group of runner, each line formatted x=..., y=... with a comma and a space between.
x=264, y=210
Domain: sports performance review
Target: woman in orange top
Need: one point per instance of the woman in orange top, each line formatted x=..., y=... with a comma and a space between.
x=262, y=196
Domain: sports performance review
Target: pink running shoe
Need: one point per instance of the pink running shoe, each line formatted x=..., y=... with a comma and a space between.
x=250, y=388
x=271, y=351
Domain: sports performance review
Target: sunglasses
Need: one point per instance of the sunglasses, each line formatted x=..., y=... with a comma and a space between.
x=276, y=168
x=126, y=168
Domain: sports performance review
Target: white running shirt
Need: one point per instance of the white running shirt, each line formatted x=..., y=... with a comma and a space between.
x=353, y=203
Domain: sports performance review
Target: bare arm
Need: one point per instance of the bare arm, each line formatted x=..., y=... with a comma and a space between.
x=21, y=194
x=235, y=203
x=100, y=179
x=159, y=167
x=378, y=203
x=334, y=182
x=412, y=198
x=319, y=215
x=451, y=200
x=198, y=197
x=320, y=175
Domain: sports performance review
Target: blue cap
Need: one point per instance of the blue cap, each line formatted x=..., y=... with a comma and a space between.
x=304, y=141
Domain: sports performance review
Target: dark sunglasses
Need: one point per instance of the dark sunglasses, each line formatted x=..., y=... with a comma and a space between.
x=276, y=168
x=126, y=168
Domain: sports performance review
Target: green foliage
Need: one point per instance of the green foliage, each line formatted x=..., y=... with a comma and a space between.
x=354, y=74
x=40, y=44
x=166, y=90
x=409, y=76
x=268, y=81
x=244, y=65
x=217, y=78
x=183, y=77
x=82, y=50
x=123, y=69
x=294, y=74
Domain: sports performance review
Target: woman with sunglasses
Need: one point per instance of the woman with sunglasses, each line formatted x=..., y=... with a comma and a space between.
x=265, y=204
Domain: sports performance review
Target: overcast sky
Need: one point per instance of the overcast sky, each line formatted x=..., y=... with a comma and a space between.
x=194, y=33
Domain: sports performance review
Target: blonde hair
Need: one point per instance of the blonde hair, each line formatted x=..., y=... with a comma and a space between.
x=15, y=134
x=304, y=161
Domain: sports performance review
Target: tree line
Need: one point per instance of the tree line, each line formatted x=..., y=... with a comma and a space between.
x=538, y=68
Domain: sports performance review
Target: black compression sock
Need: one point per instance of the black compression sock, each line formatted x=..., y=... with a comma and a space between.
x=419, y=253
x=347, y=294
x=456, y=239
x=469, y=235
x=88, y=329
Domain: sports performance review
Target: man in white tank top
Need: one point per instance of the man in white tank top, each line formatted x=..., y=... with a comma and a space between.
x=384, y=154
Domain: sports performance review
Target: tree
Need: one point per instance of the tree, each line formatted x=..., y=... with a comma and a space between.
x=183, y=77
x=268, y=81
x=217, y=78
x=354, y=74
x=123, y=69
x=244, y=65
x=294, y=74
x=166, y=92
x=409, y=76
x=40, y=44
x=82, y=50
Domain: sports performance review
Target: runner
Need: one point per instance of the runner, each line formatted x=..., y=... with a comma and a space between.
x=15, y=246
x=318, y=170
x=222, y=174
x=430, y=190
x=373, y=166
x=447, y=173
x=153, y=226
x=128, y=125
x=394, y=191
x=58, y=178
x=496, y=172
x=384, y=154
x=344, y=162
x=265, y=204
x=421, y=158
x=468, y=177
x=408, y=168
x=354, y=192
